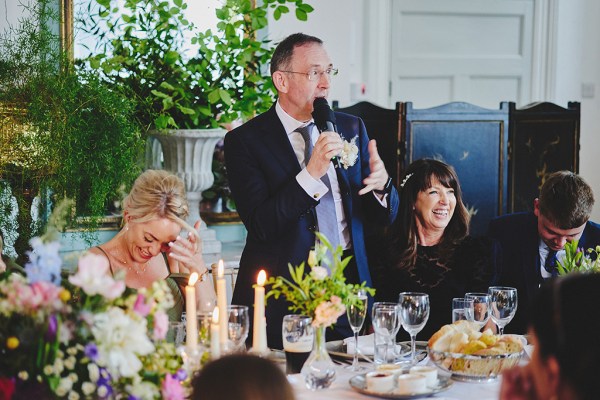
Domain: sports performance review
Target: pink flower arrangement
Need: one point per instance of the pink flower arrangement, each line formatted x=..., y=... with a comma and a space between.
x=89, y=338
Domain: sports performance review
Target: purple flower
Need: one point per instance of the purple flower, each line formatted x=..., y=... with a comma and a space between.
x=132, y=397
x=180, y=375
x=91, y=351
x=52, y=326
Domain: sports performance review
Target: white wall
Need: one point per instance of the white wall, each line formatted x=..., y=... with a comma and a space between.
x=343, y=24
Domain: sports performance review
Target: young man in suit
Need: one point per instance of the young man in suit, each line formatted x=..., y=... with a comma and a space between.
x=529, y=241
x=279, y=188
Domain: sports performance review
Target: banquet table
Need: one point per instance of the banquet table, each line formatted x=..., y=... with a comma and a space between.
x=341, y=390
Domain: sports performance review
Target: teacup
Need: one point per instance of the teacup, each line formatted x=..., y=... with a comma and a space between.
x=411, y=383
x=380, y=381
x=430, y=373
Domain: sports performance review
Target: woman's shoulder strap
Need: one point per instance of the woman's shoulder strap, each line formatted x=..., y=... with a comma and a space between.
x=107, y=257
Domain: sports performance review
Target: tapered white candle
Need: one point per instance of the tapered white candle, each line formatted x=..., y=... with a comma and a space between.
x=259, y=330
x=222, y=304
x=215, y=347
x=191, y=324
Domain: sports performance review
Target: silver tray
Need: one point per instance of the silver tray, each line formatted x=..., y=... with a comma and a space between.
x=337, y=348
x=359, y=384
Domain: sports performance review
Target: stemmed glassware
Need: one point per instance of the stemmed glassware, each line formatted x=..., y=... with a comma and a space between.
x=481, y=307
x=385, y=317
x=414, y=311
x=356, y=317
x=238, y=326
x=503, y=301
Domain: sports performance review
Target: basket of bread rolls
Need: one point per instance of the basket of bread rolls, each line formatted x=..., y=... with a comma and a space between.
x=470, y=355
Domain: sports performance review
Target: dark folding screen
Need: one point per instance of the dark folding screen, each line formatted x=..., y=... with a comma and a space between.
x=544, y=138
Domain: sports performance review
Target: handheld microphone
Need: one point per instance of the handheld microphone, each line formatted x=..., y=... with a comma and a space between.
x=325, y=120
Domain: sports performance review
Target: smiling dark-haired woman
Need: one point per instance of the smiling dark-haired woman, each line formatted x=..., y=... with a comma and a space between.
x=428, y=248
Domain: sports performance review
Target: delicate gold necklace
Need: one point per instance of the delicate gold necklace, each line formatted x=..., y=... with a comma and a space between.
x=137, y=268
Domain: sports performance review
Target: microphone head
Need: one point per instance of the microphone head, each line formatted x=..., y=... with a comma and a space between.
x=322, y=112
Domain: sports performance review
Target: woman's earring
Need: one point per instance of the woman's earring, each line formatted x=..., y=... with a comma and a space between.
x=126, y=227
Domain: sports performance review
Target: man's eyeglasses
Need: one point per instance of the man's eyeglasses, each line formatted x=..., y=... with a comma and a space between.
x=314, y=75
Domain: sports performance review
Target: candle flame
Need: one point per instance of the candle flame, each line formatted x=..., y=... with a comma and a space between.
x=262, y=277
x=193, y=279
x=220, y=269
x=215, y=315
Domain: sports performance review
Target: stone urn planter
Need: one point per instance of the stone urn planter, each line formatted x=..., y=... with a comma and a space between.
x=188, y=153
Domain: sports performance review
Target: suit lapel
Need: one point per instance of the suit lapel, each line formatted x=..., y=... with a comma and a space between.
x=276, y=141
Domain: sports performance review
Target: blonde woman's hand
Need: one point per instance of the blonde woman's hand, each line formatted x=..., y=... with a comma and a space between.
x=186, y=253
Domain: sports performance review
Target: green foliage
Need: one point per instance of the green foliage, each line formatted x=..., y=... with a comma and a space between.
x=227, y=79
x=575, y=259
x=306, y=290
x=64, y=132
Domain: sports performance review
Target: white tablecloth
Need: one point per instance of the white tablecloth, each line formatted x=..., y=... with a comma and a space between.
x=341, y=390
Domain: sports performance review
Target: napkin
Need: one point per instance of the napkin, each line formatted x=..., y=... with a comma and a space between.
x=366, y=344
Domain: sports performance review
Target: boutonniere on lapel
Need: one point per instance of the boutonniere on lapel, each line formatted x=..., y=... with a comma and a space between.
x=349, y=154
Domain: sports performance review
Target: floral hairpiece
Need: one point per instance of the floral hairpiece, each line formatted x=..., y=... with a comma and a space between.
x=406, y=178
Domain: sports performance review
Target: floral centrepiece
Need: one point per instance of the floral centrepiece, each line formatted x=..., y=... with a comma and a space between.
x=576, y=259
x=322, y=294
x=90, y=337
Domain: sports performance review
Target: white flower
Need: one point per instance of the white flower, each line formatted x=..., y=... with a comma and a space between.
x=120, y=340
x=349, y=153
x=312, y=258
x=102, y=391
x=94, y=278
x=23, y=375
x=64, y=386
x=88, y=388
x=70, y=362
x=73, y=395
x=93, y=372
x=143, y=390
x=318, y=273
x=58, y=366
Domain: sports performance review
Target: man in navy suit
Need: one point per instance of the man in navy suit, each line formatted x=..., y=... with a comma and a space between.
x=277, y=191
x=529, y=241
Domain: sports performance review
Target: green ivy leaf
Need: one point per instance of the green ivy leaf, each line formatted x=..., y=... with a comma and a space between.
x=301, y=14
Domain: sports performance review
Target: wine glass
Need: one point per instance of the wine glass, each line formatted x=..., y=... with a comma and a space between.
x=357, y=311
x=503, y=301
x=414, y=311
x=481, y=307
x=462, y=309
x=238, y=326
x=385, y=318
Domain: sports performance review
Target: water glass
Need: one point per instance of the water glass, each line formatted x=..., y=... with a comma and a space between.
x=386, y=323
x=462, y=309
x=481, y=307
x=504, y=303
x=414, y=311
x=298, y=337
x=237, y=327
x=204, y=322
x=176, y=333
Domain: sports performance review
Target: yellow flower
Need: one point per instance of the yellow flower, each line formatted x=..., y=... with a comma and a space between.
x=12, y=343
x=65, y=295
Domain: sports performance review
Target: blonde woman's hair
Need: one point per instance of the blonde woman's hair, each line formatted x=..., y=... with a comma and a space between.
x=158, y=194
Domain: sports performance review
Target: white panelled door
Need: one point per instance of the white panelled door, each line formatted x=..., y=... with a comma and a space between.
x=477, y=51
